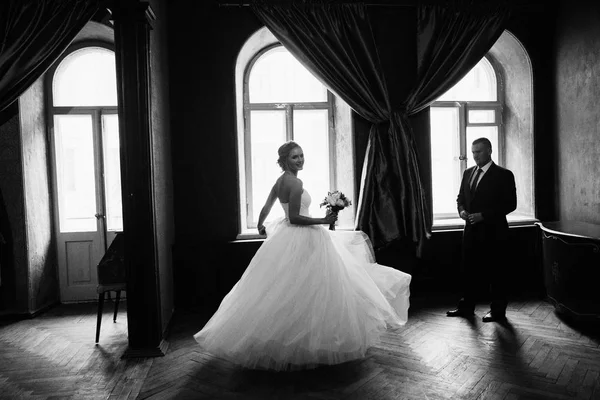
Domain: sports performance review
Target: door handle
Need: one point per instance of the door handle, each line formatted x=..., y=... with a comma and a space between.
x=462, y=157
x=98, y=216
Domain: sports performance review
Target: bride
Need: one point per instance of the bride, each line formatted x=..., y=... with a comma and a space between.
x=310, y=296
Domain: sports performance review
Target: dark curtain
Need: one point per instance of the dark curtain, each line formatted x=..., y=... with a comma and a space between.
x=336, y=43
x=451, y=41
x=33, y=34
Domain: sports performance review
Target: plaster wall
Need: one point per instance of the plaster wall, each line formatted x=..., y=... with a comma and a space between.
x=41, y=256
x=518, y=117
x=577, y=117
x=95, y=31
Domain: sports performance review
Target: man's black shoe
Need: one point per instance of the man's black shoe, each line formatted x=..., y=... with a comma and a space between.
x=459, y=312
x=493, y=317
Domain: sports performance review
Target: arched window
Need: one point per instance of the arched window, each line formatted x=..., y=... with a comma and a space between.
x=282, y=102
x=490, y=101
x=86, y=78
x=279, y=101
x=84, y=126
x=86, y=140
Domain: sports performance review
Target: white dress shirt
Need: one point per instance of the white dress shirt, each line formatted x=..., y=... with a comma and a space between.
x=483, y=171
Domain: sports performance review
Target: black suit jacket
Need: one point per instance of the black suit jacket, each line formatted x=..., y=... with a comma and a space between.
x=495, y=197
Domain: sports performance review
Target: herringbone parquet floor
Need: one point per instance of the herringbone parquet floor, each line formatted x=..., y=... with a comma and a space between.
x=536, y=355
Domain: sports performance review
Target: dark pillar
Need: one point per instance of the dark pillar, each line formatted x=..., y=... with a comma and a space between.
x=132, y=20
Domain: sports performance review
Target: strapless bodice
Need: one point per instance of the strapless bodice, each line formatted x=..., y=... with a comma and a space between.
x=305, y=201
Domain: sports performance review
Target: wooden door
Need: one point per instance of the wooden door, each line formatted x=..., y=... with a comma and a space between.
x=87, y=193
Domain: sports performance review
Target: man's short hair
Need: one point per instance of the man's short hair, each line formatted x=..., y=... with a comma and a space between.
x=483, y=140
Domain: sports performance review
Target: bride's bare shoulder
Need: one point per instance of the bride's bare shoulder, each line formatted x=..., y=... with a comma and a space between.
x=285, y=184
x=289, y=179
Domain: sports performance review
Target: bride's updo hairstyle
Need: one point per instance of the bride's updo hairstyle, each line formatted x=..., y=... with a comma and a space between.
x=284, y=152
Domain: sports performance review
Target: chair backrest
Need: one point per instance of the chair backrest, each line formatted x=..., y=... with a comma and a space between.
x=111, y=269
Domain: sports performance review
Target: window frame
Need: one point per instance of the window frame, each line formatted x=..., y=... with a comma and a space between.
x=464, y=107
x=51, y=109
x=289, y=108
x=96, y=113
x=49, y=76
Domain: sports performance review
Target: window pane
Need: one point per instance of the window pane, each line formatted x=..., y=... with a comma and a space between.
x=267, y=134
x=112, y=172
x=74, y=149
x=311, y=131
x=86, y=77
x=277, y=77
x=478, y=85
x=475, y=132
x=482, y=116
x=445, y=149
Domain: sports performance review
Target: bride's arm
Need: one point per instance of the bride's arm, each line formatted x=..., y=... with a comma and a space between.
x=266, y=210
x=294, y=208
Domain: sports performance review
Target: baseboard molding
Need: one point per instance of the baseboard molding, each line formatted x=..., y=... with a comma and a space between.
x=167, y=330
x=19, y=316
x=147, y=352
x=573, y=314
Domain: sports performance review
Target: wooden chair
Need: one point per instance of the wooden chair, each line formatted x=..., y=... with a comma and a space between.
x=111, y=277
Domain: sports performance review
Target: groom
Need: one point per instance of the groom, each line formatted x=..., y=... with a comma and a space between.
x=487, y=194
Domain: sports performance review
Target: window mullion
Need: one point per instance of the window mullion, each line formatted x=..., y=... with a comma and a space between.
x=333, y=184
x=100, y=174
x=462, y=134
x=289, y=122
x=248, y=165
x=501, y=137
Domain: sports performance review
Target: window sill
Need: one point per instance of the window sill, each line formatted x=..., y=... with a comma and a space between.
x=453, y=224
x=250, y=236
x=442, y=225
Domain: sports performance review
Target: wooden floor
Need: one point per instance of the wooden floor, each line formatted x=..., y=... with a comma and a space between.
x=537, y=355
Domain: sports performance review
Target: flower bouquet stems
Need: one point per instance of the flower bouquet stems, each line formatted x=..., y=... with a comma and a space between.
x=335, y=202
x=334, y=210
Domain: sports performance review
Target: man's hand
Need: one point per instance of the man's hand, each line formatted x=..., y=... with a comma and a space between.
x=464, y=214
x=475, y=218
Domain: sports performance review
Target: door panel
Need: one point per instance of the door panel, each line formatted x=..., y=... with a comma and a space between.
x=79, y=258
x=85, y=151
x=78, y=266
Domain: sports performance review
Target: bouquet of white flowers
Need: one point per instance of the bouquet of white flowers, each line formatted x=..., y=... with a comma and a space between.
x=334, y=202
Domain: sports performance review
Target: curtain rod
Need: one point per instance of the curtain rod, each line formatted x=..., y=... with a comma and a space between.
x=396, y=4
x=534, y=5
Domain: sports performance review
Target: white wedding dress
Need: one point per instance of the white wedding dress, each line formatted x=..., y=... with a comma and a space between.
x=310, y=296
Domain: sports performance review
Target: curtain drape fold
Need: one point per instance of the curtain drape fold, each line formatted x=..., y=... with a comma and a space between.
x=451, y=40
x=335, y=42
x=33, y=34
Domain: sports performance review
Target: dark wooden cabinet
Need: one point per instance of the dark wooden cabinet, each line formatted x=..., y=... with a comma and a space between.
x=571, y=259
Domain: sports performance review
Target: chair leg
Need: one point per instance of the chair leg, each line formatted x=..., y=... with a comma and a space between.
x=117, y=298
x=99, y=320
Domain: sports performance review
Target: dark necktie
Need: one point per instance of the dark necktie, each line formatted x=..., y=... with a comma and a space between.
x=474, y=183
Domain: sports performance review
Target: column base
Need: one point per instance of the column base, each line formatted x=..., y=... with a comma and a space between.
x=158, y=351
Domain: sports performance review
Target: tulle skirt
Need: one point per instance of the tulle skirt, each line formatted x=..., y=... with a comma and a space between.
x=309, y=297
